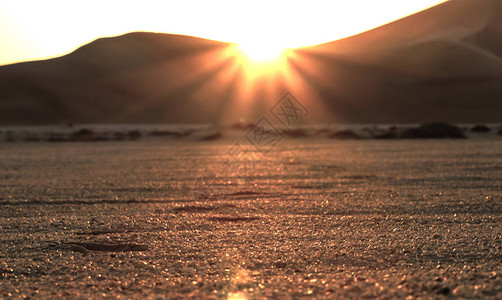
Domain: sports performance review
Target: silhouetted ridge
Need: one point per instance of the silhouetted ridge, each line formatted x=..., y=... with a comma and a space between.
x=443, y=63
x=138, y=49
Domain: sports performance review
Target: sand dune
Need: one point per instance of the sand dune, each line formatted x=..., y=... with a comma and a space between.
x=440, y=64
x=454, y=20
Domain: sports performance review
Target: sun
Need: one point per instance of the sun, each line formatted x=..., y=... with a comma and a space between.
x=261, y=52
x=259, y=60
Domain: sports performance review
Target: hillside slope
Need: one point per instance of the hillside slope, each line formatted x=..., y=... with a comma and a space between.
x=444, y=63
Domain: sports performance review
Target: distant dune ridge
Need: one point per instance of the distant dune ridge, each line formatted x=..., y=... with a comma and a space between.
x=442, y=64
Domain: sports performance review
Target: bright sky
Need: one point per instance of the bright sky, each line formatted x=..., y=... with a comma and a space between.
x=34, y=29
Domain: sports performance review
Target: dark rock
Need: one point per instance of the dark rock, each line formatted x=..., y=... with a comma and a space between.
x=295, y=133
x=86, y=135
x=119, y=136
x=322, y=131
x=83, y=134
x=480, y=128
x=212, y=136
x=133, y=135
x=162, y=133
x=345, y=134
x=166, y=133
x=112, y=247
x=434, y=130
x=391, y=133
x=56, y=137
x=191, y=208
x=500, y=132
x=184, y=133
x=443, y=290
x=32, y=138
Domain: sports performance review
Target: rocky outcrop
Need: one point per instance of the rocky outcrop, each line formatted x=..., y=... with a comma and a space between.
x=434, y=130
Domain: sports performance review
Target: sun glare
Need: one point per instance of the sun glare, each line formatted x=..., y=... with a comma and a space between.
x=261, y=52
x=257, y=61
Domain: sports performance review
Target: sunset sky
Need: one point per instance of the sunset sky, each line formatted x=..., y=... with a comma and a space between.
x=40, y=29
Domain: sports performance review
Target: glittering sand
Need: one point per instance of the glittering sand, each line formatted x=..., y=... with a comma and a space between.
x=312, y=218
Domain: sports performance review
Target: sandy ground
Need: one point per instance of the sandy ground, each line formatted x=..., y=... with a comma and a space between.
x=312, y=218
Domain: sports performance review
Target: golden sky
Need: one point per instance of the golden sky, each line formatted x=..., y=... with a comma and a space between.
x=39, y=29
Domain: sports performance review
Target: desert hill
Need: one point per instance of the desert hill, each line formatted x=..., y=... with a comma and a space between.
x=444, y=63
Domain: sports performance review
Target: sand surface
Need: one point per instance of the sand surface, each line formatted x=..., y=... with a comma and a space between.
x=312, y=218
